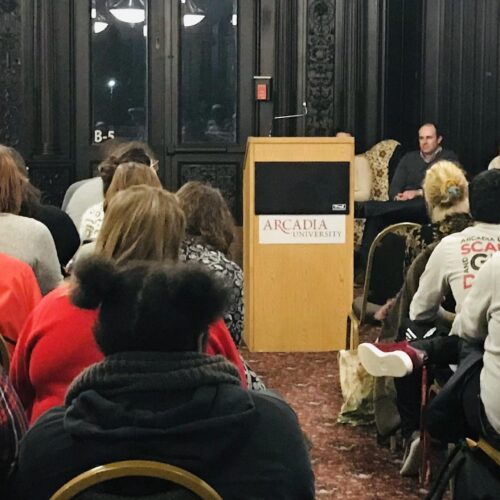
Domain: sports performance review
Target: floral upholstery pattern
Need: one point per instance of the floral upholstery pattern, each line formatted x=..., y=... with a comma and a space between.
x=378, y=157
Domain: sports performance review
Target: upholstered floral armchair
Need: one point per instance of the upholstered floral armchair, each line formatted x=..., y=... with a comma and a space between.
x=378, y=157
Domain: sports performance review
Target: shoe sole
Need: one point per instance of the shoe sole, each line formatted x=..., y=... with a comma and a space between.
x=384, y=364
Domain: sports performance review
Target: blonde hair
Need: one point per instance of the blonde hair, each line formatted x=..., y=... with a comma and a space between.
x=12, y=182
x=142, y=223
x=446, y=190
x=207, y=215
x=130, y=174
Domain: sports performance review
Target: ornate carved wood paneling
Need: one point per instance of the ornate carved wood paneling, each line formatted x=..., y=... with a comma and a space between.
x=286, y=67
x=10, y=72
x=320, y=66
x=222, y=176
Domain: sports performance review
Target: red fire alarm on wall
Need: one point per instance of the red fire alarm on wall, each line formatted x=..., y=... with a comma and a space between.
x=262, y=88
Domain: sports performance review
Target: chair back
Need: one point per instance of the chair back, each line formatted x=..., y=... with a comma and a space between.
x=385, y=268
x=136, y=468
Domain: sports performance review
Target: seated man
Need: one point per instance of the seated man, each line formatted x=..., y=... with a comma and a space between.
x=406, y=186
x=452, y=267
x=158, y=396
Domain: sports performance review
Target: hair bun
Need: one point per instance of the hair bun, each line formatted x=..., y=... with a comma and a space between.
x=95, y=279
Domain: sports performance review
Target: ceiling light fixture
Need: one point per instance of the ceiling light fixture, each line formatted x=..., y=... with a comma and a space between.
x=193, y=14
x=129, y=11
x=99, y=27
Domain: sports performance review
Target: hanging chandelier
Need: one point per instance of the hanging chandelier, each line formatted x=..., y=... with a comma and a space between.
x=193, y=15
x=129, y=11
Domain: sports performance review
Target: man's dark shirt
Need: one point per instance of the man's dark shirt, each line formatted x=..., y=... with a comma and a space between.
x=410, y=171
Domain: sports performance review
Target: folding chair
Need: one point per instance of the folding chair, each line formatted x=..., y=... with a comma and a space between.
x=384, y=275
x=136, y=468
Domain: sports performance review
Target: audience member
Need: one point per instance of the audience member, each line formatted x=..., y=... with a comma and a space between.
x=83, y=194
x=19, y=294
x=133, y=151
x=157, y=396
x=452, y=266
x=59, y=224
x=126, y=175
x=475, y=388
x=24, y=238
x=406, y=186
x=209, y=234
x=56, y=344
x=446, y=194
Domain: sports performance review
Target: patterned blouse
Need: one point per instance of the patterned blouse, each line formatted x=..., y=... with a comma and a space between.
x=193, y=250
x=91, y=222
x=427, y=234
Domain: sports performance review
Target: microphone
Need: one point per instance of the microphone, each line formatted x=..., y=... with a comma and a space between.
x=287, y=117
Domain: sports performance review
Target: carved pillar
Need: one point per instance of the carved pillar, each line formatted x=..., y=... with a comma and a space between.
x=10, y=72
x=286, y=67
x=45, y=78
x=320, y=66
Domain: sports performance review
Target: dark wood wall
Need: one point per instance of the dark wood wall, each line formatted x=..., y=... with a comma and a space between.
x=378, y=68
x=442, y=64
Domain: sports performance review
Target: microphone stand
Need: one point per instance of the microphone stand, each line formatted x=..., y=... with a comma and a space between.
x=286, y=117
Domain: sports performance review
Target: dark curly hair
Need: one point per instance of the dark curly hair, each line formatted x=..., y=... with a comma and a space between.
x=133, y=151
x=484, y=197
x=207, y=215
x=148, y=306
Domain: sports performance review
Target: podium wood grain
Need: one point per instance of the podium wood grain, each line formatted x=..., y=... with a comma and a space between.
x=297, y=296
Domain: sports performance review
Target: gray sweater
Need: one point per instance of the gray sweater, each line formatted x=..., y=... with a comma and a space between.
x=411, y=169
x=30, y=241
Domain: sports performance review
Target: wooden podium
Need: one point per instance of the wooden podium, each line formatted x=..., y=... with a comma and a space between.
x=297, y=296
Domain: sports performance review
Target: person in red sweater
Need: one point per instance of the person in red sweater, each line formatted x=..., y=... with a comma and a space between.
x=56, y=343
x=19, y=294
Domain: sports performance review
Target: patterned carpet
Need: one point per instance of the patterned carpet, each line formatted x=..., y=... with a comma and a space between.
x=348, y=463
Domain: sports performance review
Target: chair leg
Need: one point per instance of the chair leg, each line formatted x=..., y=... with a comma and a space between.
x=425, y=439
x=353, y=331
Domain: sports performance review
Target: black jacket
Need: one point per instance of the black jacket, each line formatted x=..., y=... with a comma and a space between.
x=185, y=409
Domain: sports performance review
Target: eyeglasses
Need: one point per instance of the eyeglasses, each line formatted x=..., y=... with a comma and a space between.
x=154, y=165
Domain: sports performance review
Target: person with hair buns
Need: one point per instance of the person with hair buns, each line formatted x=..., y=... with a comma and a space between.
x=142, y=223
x=133, y=151
x=452, y=268
x=157, y=396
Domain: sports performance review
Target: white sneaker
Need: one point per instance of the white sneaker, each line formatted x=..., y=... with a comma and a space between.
x=384, y=364
x=412, y=456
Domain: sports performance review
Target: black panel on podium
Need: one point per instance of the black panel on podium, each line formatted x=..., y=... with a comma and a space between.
x=301, y=188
